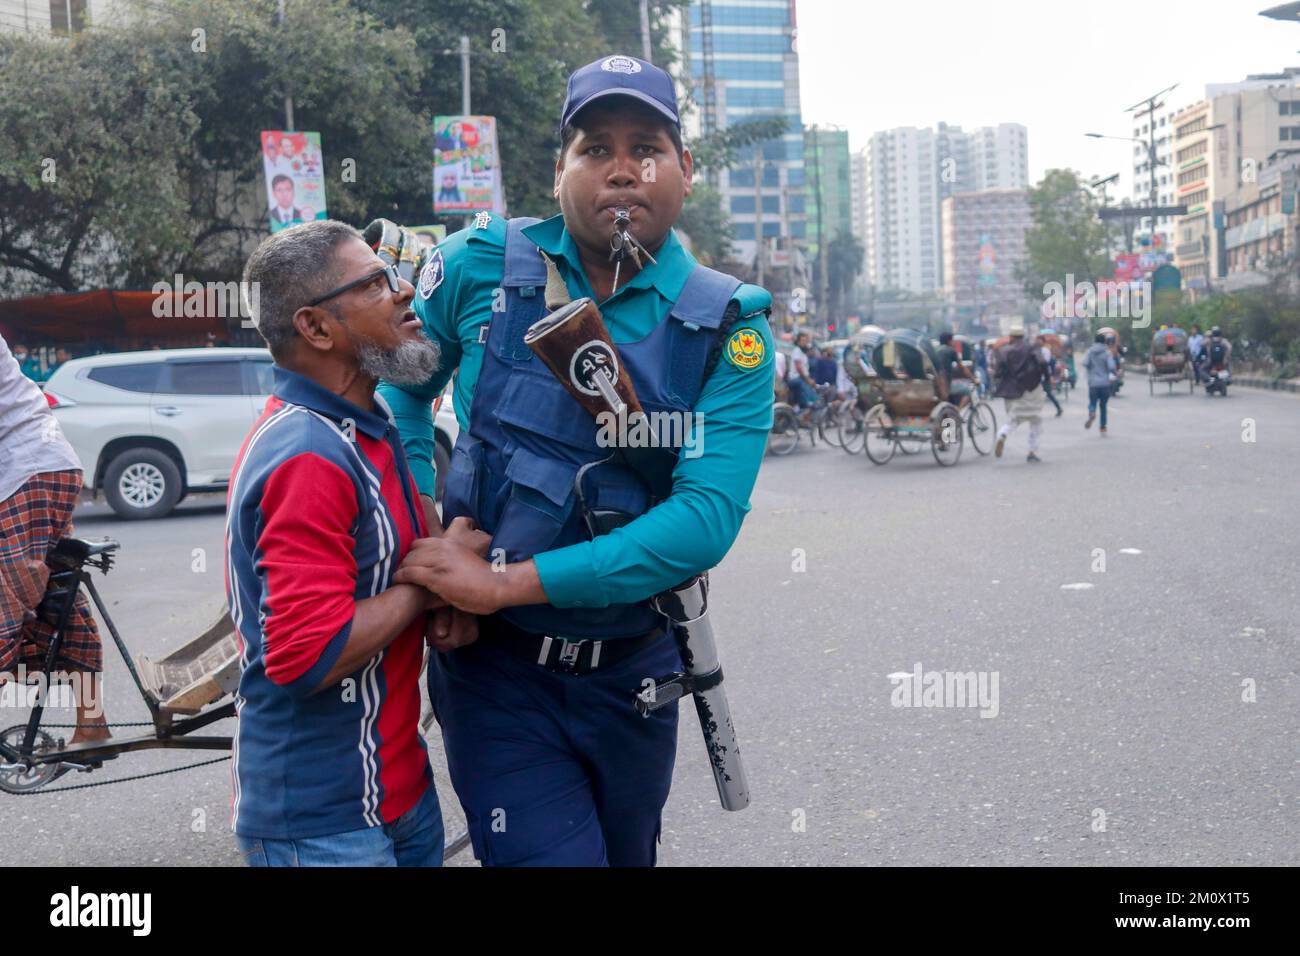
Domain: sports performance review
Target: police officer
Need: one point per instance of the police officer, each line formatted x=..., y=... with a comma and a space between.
x=551, y=763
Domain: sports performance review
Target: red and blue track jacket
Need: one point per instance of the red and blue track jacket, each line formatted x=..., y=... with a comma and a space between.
x=321, y=511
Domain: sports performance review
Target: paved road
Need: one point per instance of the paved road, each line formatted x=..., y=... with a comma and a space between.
x=1119, y=700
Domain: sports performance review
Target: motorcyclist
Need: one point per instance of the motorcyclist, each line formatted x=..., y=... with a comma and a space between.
x=1216, y=356
x=1218, y=353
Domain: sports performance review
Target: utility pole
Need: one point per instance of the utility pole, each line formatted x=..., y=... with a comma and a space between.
x=645, y=31
x=822, y=244
x=288, y=100
x=464, y=74
x=1152, y=104
x=758, y=212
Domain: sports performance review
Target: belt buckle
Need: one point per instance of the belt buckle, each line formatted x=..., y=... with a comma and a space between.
x=569, y=651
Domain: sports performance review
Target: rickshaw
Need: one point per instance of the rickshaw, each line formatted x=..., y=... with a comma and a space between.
x=185, y=691
x=1170, y=361
x=857, y=359
x=787, y=424
x=915, y=408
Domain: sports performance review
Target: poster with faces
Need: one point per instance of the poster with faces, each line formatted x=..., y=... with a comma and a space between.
x=295, y=177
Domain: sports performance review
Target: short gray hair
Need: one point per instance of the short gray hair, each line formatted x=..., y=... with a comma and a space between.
x=289, y=269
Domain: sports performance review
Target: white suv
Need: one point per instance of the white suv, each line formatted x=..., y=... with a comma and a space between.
x=151, y=427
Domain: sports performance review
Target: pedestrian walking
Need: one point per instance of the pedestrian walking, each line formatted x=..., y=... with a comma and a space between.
x=1100, y=364
x=1049, y=371
x=1020, y=384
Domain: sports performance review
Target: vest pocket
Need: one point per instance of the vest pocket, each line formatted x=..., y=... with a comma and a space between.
x=538, y=507
x=535, y=403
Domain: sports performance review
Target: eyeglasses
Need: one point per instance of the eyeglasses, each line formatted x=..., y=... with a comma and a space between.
x=390, y=271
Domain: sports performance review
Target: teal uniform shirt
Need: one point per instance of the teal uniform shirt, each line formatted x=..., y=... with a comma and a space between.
x=692, y=529
x=31, y=367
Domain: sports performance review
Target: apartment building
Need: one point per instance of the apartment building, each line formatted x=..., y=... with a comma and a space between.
x=983, y=248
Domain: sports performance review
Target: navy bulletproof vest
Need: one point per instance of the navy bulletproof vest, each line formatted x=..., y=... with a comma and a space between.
x=513, y=469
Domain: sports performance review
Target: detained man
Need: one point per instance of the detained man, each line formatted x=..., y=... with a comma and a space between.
x=330, y=768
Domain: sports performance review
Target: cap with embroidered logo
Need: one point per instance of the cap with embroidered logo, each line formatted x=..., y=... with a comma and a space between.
x=621, y=75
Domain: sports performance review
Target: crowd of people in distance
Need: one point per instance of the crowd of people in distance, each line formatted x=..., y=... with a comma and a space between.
x=1027, y=372
x=30, y=363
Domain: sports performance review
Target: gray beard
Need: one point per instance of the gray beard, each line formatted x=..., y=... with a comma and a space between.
x=411, y=363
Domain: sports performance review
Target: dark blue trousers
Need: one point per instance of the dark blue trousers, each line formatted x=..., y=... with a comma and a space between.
x=556, y=769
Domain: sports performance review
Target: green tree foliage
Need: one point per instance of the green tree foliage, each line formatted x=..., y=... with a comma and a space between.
x=707, y=224
x=704, y=218
x=1066, y=238
x=156, y=125
x=88, y=192
x=521, y=54
x=151, y=125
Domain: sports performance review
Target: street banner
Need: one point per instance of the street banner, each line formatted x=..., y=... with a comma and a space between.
x=429, y=236
x=466, y=165
x=295, y=178
x=988, y=274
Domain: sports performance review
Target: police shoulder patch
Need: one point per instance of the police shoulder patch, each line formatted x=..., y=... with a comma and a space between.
x=431, y=275
x=745, y=348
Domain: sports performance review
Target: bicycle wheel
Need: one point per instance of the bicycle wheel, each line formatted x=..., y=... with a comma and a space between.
x=785, y=431
x=850, y=427
x=982, y=426
x=878, y=436
x=828, y=426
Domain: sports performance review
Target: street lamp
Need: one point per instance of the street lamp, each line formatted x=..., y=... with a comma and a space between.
x=1101, y=184
x=1152, y=162
x=1284, y=11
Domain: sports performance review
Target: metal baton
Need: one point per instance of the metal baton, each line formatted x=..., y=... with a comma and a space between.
x=687, y=606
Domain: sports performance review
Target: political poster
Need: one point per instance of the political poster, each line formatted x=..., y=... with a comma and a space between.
x=466, y=165
x=295, y=178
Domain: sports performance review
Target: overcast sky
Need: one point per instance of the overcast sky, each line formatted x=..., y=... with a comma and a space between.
x=1061, y=68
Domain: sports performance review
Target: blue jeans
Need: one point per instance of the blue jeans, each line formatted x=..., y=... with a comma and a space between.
x=1098, y=395
x=801, y=393
x=413, y=839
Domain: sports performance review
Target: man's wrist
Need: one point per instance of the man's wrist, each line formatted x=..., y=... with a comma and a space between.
x=517, y=584
x=430, y=507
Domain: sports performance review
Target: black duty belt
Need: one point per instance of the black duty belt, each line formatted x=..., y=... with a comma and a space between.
x=564, y=655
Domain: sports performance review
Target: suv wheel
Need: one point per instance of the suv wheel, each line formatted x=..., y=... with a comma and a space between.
x=142, y=483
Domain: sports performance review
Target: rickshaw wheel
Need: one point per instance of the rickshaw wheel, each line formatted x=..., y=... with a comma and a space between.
x=785, y=430
x=25, y=780
x=878, y=439
x=850, y=426
x=947, y=439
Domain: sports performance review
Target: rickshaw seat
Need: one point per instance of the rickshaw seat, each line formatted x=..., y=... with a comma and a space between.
x=196, y=674
x=74, y=552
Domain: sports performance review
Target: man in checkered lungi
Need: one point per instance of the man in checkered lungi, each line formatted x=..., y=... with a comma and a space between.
x=40, y=478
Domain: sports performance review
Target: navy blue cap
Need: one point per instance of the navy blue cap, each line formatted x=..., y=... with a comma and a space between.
x=621, y=76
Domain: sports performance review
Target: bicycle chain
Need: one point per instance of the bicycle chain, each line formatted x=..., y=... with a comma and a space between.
x=105, y=783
